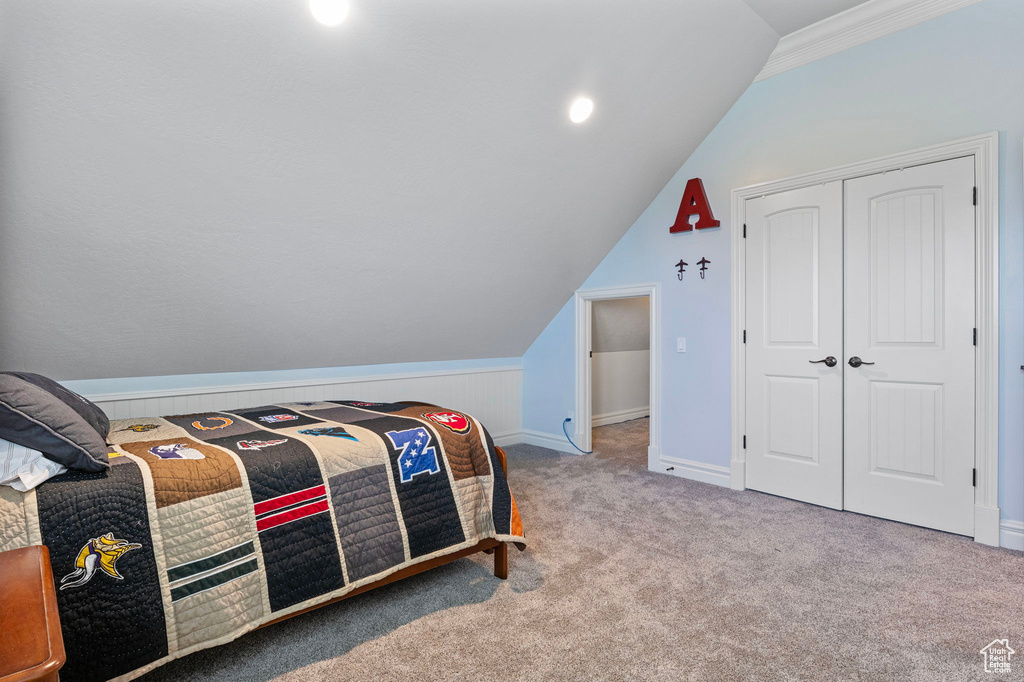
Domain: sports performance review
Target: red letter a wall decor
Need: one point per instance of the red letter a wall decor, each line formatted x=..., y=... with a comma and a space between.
x=695, y=202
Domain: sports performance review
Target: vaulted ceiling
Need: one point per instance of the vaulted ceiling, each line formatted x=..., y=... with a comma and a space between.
x=786, y=16
x=203, y=186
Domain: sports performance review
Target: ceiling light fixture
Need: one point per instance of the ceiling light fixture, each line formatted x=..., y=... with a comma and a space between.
x=329, y=12
x=581, y=109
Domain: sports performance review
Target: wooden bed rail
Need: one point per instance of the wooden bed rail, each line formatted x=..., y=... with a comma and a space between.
x=503, y=458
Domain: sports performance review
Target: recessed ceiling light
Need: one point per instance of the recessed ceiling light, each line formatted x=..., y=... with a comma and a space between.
x=329, y=12
x=581, y=109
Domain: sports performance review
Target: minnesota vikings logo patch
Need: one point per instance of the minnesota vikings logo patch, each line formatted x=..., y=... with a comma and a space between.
x=453, y=421
x=224, y=421
x=275, y=418
x=335, y=431
x=176, y=451
x=259, y=444
x=99, y=553
x=141, y=428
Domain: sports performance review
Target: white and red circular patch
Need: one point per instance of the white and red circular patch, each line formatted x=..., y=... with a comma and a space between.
x=453, y=421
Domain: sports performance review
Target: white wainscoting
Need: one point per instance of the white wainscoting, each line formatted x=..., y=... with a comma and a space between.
x=494, y=395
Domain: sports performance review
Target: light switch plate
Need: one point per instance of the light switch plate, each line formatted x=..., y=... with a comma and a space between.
x=681, y=344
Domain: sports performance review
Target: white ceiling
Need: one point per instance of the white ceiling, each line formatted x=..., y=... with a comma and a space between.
x=786, y=16
x=216, y=185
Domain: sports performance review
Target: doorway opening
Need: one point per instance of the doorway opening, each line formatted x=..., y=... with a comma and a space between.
x=617, y=378
x=620, y=366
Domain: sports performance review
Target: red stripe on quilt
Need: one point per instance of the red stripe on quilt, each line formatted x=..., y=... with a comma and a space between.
x=289, y=499
x=290, y=515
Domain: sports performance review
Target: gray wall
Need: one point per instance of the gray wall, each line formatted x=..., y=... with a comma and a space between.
x=621, y=324
x=201, y=186
x=621, y=365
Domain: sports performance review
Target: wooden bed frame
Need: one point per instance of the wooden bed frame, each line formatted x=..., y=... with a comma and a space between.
x=30, y=635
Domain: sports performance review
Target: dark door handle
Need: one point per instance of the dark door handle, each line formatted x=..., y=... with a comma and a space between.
x=829, y=361
x=857, y=362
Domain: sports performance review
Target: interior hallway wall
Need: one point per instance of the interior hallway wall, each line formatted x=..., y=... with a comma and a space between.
x=620, y=369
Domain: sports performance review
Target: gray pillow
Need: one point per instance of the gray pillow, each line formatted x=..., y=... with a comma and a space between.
x=42, y=415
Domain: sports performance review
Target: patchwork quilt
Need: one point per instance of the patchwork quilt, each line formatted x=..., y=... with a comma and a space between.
x=208, y=525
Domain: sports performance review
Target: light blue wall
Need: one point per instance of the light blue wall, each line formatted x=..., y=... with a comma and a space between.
x=952, y=77
x=548, y=375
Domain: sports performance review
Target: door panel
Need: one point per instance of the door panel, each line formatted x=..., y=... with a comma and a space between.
x=896, y=409
x=909, y=309
x=906, y=258
x=794, y=316
x=792, y=421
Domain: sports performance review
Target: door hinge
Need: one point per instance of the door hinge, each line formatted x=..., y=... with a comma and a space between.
x=744, y=336
x=975, y=196
x=974, y=478
x=744, y=442
x=975, y=336
x=591, y=353
x=744, y=230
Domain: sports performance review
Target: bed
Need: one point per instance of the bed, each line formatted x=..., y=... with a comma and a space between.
x=206, y=526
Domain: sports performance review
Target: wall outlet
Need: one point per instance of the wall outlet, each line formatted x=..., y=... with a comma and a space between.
x=681, y=344
x=572, y=415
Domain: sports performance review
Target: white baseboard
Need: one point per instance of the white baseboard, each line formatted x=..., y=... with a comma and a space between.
x=620, y=416
x=547, y=440
x=510, y=438
x=986, y=525
x=738, y=474
x=695, y=471
x=1011, y=535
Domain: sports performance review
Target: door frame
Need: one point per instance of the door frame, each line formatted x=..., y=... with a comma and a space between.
x=985, y=150
x=584, y=299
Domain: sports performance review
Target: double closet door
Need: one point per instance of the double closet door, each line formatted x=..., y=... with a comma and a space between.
x=860, y=345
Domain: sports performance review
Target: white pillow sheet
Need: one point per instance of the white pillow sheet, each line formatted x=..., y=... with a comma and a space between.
x=24, y=469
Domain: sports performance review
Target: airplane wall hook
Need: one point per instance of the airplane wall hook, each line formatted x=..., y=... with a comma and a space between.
x=703, y=263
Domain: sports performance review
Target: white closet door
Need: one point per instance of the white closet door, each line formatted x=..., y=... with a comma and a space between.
x=794, y=428
x=909, y=416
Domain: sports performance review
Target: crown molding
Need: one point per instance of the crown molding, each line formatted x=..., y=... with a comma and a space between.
x=855, y=26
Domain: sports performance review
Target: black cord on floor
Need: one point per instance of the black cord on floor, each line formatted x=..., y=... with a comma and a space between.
x=585, y=452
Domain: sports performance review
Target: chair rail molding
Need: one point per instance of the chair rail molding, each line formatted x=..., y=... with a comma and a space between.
x=855, y=26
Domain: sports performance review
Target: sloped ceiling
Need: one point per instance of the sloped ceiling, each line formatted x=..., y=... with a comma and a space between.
x=218, y=185
x=786, y=16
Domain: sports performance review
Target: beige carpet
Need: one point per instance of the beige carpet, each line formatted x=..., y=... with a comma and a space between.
x=638, y=576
